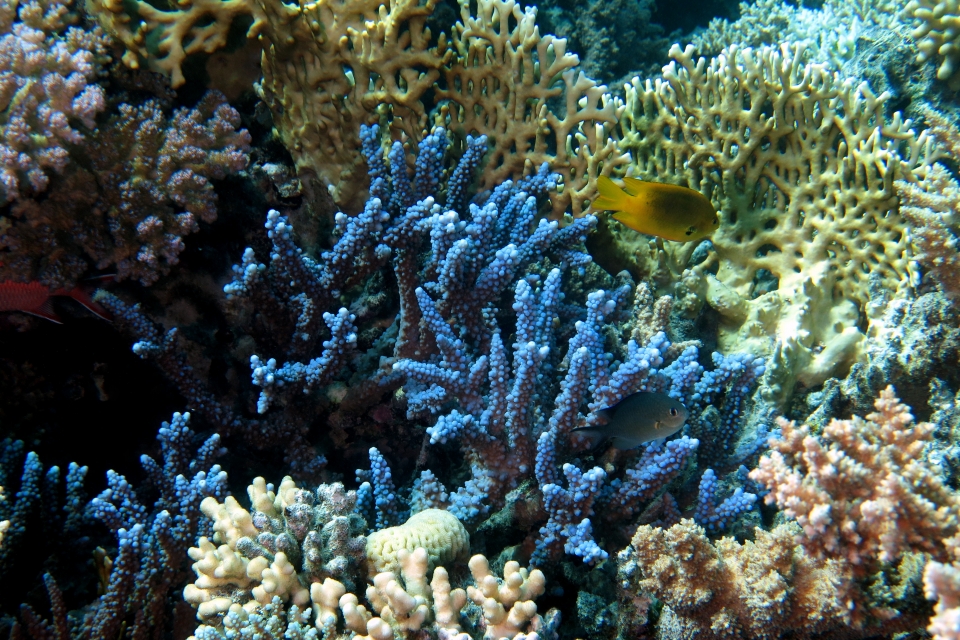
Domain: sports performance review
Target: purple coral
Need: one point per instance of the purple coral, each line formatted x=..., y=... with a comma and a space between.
x=46, y=71
x=141, y=183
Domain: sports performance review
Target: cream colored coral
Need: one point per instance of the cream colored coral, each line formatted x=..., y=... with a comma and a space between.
x=436, y=530
x=355, y=615
x=801, y=165
x=508, y=606
x=399, y=605
x=403, y=606
x=220, y=571
x=277, y=578
x=326, y=600
x=447, y=602
x=937, y=33
x=230, y=521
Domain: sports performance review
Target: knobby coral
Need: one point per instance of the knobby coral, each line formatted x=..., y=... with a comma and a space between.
x=48, y=98
x=937, y=32
x=863, y=491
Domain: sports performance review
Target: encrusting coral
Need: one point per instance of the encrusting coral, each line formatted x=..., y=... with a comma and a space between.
x=801, y=165
x=759, y=589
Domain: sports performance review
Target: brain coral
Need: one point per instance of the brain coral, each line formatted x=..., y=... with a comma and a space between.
x=436, y=530
x=801, y=165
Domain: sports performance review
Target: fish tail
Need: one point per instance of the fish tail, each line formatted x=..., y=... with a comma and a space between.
x=84, y=295
x=611, y=197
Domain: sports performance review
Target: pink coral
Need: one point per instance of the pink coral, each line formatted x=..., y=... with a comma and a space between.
x=46, y=69
x=144, y=183
x=862, y=491
x=941, y=582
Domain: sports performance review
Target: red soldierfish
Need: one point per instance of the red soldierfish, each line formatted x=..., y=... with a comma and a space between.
x=34, y=298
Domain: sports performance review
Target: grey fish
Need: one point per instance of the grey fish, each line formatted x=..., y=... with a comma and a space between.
x=638, y=418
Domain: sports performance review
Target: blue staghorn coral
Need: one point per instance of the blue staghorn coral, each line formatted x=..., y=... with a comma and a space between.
x=497, y=350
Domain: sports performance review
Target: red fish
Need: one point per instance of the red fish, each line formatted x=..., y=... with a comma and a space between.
x=34, y=298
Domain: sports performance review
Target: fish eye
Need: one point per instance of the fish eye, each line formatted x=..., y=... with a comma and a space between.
x=716, y=219
x=690, y=230
x=673, y=411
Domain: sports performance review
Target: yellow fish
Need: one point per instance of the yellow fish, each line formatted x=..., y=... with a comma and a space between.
x=666, y=210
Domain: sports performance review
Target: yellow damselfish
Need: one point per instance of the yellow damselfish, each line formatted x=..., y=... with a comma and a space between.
x=665, y=210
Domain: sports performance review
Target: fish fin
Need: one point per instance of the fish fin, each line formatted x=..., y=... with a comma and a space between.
x=592, y=435
x=606, y=414
x=634, y=187
x=45, y=311
x=635, y=222
x=82, y=295
x=611, y=197
x=625, y=444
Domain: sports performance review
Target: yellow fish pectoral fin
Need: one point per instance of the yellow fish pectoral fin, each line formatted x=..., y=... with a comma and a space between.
x=631, y=220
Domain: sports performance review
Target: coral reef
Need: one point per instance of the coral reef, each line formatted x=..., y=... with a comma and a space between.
x=423, y=316
x=330, y=67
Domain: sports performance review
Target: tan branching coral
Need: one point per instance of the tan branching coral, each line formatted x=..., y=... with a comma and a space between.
x=342, y=63
x=759, y=589
x=802, y=166
x=863, y=491
x=937, y=32
x=500, y=83
x=332, y=65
